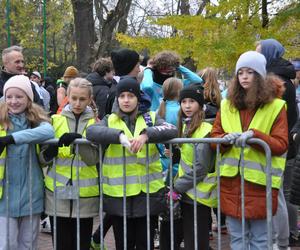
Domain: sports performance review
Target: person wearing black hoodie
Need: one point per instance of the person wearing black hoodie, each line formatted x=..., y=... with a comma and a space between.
x=102, y=80
x=285, y=220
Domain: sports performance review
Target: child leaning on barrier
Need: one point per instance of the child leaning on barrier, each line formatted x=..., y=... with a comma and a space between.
x=71, y=124
x=192, y=125
x=23, y=124
x=251, y=110
x=131, y=127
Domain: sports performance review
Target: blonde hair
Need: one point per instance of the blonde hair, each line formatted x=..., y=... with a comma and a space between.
x=212, y=91
x=83, y=83
x=33, y=112
x=171, y=88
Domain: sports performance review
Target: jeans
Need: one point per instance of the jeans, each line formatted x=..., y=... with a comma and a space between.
x=255, y=234
x=19, y=232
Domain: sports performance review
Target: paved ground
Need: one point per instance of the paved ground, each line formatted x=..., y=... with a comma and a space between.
x=46, y=244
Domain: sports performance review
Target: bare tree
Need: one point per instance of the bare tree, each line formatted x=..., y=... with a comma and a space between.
x=110, y=22
x=264, y=13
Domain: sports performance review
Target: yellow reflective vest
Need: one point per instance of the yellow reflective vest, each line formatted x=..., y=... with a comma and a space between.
x=2, y=164
x=254, y=160
x=66, y=164
x=206, y=192
x=136, y=164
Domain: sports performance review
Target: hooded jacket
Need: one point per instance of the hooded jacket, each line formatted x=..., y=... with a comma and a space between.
x=101, y=90
x=273, y=52
x=89, y=207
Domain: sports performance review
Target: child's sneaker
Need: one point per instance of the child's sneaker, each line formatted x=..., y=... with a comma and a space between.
x=96, y=246
x=45, y=226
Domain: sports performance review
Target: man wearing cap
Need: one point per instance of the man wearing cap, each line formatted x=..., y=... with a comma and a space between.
x=36, y=78
x=13, y=64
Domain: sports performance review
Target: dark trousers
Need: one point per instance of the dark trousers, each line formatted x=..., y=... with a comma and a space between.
x=66, y=233
x=203, y=213
x=107, y=223
x=136, y=232
x=165, y=234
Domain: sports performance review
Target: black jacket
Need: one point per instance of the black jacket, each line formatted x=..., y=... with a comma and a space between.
x=285, y=70
x=101, y=89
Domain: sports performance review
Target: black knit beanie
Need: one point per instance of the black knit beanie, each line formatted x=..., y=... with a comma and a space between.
x=194, y=91
x=129, y=84
x=124, y=60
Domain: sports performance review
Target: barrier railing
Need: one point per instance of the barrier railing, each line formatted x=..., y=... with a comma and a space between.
x=75, y=195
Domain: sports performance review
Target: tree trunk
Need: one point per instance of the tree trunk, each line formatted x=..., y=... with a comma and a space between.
x=264, y=13
x=84, y=33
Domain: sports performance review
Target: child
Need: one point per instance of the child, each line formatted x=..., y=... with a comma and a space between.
x=23, y=124
x=192, y=125
x=132, y=128
x=70, y=125
x=250, y=110
x=212, y=93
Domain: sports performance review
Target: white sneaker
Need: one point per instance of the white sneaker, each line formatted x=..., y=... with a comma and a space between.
x=45, y=225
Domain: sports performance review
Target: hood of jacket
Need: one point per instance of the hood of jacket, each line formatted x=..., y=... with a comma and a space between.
x=271, y=49
x=77, y=125
x=97, y=80
x=283, y=68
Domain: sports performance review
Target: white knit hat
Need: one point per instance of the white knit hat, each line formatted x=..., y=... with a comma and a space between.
x=253, y=60
x=21, y=82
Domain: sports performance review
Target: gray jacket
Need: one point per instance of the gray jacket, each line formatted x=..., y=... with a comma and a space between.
x=88, y=207
x=159, y=132
x=204, y=159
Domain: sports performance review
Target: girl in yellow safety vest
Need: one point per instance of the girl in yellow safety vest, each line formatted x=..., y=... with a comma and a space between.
x=133, y=128
x=251, y=109
x=75, y=177
x=201, y=158
x=22, y=125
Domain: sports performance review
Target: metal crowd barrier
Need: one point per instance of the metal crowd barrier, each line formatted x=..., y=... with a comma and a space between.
x=171, y=143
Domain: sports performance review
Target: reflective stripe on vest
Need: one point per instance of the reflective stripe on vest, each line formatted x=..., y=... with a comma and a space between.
x=130, y=160
x=64, y=180
x=132, y=179
x=206, y=189
x=67, y=164
x=136, y=173
x=2, y=164
x=254, y=160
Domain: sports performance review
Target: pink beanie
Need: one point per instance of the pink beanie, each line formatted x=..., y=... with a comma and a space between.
x=21, y=82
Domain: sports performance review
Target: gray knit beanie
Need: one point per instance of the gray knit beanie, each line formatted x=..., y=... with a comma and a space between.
x=253, y=60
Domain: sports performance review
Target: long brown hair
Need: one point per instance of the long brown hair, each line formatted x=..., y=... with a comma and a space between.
x=171, y=89
x=195, y=122
x=34, y=114
x=260, y=93
x=212, y=91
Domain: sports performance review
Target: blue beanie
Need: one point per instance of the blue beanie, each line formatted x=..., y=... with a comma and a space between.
x=253, y=60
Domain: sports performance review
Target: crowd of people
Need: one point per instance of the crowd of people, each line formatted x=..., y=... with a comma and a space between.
x=126, y=103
